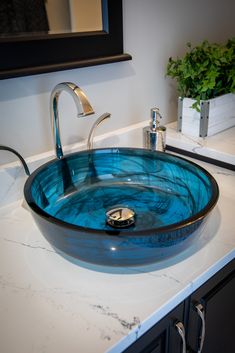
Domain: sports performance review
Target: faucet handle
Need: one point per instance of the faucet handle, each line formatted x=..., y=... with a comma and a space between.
x=93, y=128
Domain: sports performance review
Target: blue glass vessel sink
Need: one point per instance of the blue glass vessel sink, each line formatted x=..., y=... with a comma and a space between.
x=168, y=196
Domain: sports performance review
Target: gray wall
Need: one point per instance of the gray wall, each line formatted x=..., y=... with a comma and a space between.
x=153, y=31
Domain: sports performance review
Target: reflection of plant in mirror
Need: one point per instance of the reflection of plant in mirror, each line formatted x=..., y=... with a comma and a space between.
x=206, y=71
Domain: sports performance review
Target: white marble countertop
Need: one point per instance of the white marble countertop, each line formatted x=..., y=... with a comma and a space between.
x=220, y=146
x=49, y=304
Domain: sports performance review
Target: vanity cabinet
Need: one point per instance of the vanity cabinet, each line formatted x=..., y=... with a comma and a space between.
x=162, y=337
x=211, y=309
x=217, y=297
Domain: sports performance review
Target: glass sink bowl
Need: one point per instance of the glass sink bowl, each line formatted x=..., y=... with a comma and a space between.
x=169, y=198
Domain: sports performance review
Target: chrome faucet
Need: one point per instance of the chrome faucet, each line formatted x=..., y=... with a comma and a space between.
x=83, y=106
x=95, y=125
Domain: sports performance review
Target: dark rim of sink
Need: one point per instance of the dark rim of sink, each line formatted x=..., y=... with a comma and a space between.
x=175, y=226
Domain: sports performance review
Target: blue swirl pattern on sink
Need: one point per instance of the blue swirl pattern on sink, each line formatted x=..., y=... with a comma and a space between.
x=169, y=195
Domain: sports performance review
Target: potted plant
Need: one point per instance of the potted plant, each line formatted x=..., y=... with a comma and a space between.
x=206, y=85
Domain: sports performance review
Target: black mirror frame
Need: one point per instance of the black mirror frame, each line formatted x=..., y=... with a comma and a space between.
x=22, y=56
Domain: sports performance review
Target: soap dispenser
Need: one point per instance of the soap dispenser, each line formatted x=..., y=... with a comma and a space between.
x=155, y=134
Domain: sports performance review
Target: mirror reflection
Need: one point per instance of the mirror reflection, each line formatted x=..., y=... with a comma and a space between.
x=27, y=17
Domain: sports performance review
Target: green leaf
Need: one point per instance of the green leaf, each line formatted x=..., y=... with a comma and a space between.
x=205, y=71
x=196, y=106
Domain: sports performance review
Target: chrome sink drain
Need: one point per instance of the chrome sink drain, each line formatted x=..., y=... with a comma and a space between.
x=120, y=217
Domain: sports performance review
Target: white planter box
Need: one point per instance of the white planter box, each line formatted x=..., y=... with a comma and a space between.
x=216, y=115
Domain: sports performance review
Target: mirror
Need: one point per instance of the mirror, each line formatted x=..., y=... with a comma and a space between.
x=33, y=43
x=32, y=17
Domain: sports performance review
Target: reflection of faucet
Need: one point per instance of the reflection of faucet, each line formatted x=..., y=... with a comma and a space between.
x=83, y=106
x=95, y=125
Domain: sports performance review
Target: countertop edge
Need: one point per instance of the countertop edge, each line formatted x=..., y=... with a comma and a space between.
x=152, y=320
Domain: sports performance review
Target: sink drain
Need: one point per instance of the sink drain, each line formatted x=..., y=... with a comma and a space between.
x=120, y=217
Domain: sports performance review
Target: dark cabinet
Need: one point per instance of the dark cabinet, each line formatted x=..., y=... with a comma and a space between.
x=206, y=320
x=217, y=297
x=162, y=337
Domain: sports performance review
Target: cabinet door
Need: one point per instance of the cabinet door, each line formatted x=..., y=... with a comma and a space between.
x=217, y=297
x=162, y=337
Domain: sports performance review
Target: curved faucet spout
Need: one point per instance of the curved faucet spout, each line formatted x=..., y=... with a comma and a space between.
x=93, y=128
x=83, y=107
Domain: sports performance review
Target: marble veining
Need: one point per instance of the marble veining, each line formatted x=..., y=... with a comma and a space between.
x=28, y=245
x=105, y=310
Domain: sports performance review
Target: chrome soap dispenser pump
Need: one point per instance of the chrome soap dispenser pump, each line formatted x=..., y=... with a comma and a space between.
x=155, y=134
